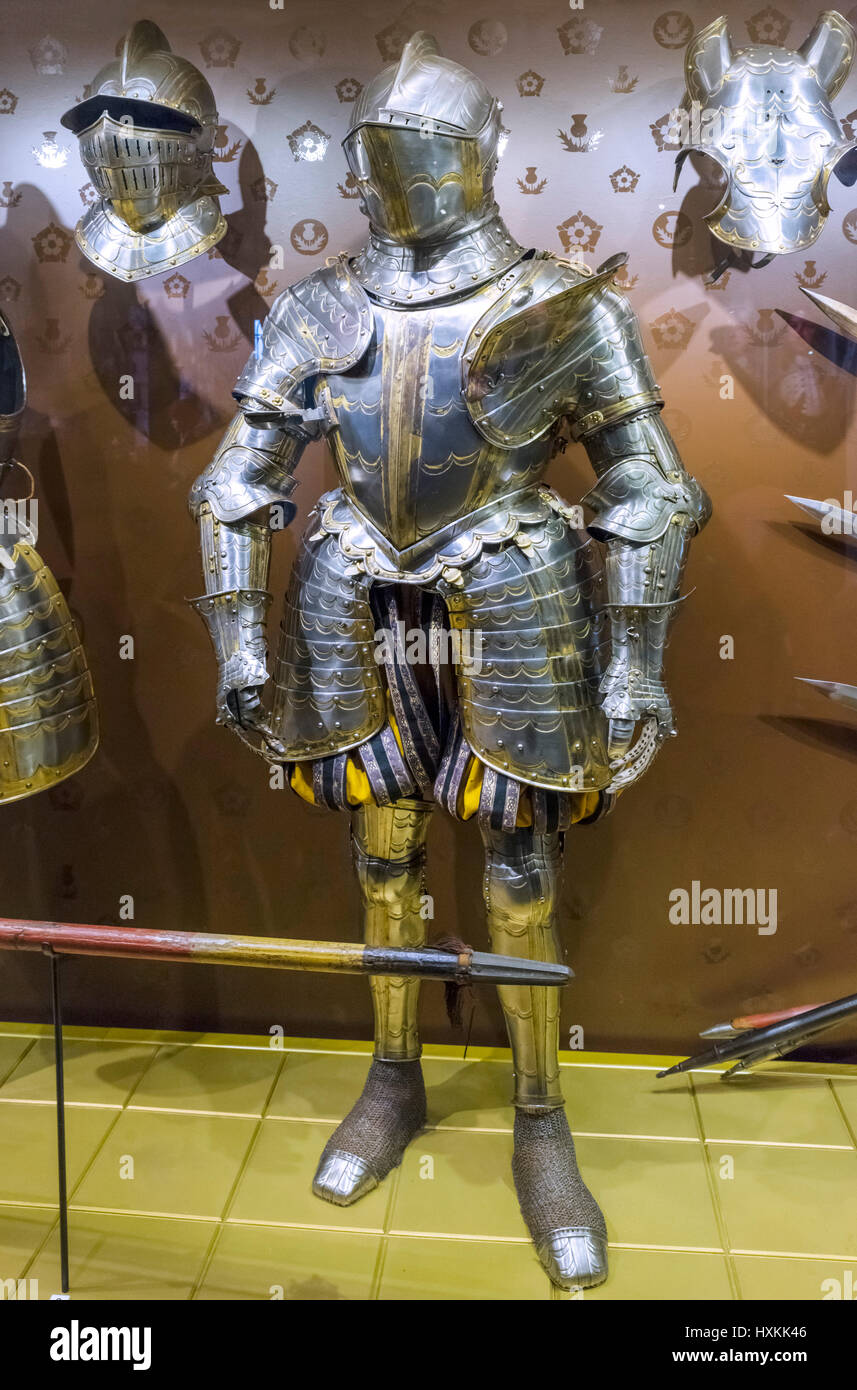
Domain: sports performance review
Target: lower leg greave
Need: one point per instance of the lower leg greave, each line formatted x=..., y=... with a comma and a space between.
x=522, y=884
x=388, y=846
x=521, y=887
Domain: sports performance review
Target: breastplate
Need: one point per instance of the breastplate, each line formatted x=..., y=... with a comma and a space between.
x=406, y=449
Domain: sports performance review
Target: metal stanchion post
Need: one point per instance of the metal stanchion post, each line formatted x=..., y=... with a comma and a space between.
x=56, y=1008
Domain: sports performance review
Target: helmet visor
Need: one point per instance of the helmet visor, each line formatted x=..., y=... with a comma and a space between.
x=417, y=185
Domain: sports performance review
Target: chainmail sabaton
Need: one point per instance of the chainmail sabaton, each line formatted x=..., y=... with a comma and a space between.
x=551, y=1192
x=390, y=1111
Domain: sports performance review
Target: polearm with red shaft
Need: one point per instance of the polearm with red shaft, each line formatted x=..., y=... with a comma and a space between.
x=459, y=964
x=464, y=965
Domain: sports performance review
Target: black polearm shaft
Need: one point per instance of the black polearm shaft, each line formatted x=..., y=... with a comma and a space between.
x=785, y=1036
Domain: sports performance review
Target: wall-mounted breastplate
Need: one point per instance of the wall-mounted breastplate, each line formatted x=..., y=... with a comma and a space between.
x=48, y=716
x=764, y=115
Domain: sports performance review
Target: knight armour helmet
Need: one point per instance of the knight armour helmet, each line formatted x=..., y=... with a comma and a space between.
x=146, y=139
x=423, y=147
x=48, y=716
x=765, y=116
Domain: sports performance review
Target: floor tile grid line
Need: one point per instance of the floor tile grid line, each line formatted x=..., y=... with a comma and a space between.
x=12, y=1204
x=719, y=1214
x=216, y=1235
x=837, y=1101
x=74, y=1033
x=645, y=1247
x=378, y=1271
x=797, y=1256
x=442, y=1128
x=69, y=1104
x=156, y=1051
x=391, y=1201
x=110, y=1128
x=381, y=1257
x=33, y=1256
x=771, y=1144
x=496, y=1055
x=832, y=1255
x=25, y=1030
x=124, y=1213
x=230, y=1198
x=296, y=1225
x=129, y=1103
x=375, y=1286
x=777, y=1144
x=4, y=1075
x=557, y=1295
x=419, y=1236
x=84, y=1209
x=260, y=1121
x=452, y=1237
x=439, y=1051
x=380, y=1263
x=578, y=1134
x=525, y=1241
x=186, y=1110
x=457, y=1237
x=265, y=1115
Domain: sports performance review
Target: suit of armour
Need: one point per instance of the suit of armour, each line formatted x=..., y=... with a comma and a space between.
x=452, y=635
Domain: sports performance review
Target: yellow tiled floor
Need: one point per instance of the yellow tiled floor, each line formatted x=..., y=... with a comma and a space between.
x=190, y=1159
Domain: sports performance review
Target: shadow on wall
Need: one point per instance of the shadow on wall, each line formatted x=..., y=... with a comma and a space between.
x=124, y=340
x=805, y=397
x=246, y=245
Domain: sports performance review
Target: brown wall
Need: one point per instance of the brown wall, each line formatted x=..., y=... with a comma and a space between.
x=759, y=790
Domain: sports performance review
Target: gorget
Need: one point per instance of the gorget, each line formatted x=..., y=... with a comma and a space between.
x=111, y=244
x=397, y=274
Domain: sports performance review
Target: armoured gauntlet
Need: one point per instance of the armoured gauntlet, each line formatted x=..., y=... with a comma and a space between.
x=249, y=477
x=236, y=560
x=647, y=509
x=642, y=589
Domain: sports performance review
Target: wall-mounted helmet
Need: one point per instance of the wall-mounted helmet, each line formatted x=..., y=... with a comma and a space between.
x=146, y=137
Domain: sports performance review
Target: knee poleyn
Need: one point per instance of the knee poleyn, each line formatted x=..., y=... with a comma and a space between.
x=520, y=895
x=393, y=884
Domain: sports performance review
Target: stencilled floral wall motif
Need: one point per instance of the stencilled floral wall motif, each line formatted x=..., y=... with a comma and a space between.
x=170, y=812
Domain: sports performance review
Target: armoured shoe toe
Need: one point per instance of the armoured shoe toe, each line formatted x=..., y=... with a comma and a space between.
x=575, y=1257
x=343, y=1178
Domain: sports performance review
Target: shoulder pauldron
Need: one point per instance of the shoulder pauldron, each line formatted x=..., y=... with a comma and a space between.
x=557, y=342
x=322, y=324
